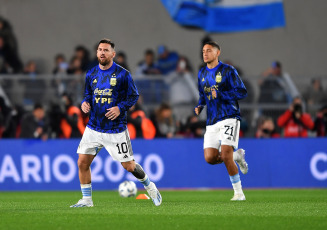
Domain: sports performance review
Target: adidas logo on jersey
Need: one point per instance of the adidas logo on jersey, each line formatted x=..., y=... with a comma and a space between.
x=95, y=81
x=125, y=156
x=202, y=79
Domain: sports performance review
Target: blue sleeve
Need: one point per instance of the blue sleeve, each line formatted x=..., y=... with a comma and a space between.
x=88, y=90
x=237, y=89
x=202, y=100
x=132, y=94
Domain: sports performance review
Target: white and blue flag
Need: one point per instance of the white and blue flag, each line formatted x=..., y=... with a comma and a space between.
x=227, y=15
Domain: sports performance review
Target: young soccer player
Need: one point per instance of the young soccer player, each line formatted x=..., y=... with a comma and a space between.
x=220, y=88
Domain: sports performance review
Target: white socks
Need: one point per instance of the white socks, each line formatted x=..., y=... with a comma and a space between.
x=86, y=191
x=237, y=188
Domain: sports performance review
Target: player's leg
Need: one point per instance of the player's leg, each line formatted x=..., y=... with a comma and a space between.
x=87, y=150
x=120, y=148
x=141, y=176
x=84, y=170
x=227, y=158
x=137, y=171
x=211, y=145
x=229, y=135
x=212, y=156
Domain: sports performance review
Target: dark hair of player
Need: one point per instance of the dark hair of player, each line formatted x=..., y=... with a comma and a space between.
x=37, y=106
x=108, y=41
x=213, y=44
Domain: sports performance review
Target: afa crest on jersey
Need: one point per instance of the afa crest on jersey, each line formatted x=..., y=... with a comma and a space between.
x=218, y=77
x=113, y=81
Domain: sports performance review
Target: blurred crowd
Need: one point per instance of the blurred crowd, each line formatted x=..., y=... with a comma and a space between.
x=305, y=116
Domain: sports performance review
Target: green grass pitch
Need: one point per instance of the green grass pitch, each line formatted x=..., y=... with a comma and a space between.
x=264, y=209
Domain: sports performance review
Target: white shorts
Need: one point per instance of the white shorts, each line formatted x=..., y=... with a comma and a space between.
x=225, y=132
x=117, y=144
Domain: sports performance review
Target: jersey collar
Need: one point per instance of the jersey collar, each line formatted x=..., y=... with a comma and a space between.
x=113, y=66
x=214, y=69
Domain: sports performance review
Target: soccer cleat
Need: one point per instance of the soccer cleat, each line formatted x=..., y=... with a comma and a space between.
x=241, y=162
x=154, y=193
x=238, y=196
x=83, y=203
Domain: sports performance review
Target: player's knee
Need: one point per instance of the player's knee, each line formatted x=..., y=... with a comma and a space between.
x=223, y=158
x=82, y=164
x=226, y=156
x=129, y=167
x=211, y=159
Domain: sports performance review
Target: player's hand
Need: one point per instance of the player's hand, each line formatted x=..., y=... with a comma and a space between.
x=197, y=110
x=213, y=93
x=113, y=113
x=85, y=107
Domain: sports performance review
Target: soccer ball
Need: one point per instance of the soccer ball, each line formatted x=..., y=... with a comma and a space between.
x=127, y=189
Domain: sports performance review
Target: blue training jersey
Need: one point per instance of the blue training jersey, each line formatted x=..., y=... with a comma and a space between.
x=219, y=90
x=105, y=89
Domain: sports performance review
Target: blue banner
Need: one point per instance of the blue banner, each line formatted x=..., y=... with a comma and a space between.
x=170, y=163
x=227, y=15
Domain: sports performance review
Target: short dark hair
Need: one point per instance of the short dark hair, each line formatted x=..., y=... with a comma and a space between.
x=38, y=106
x=212, y=43
x=108, y=41
x=149, y=52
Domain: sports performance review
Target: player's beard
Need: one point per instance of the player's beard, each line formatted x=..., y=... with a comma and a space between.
x=104, y=62
x=209, y=61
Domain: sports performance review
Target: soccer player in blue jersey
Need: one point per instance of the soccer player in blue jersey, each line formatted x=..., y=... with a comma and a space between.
x=220, y=88
x=109, y=93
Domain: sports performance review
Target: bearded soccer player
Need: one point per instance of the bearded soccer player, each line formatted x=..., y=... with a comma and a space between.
x=109, y=93
x=220, y=88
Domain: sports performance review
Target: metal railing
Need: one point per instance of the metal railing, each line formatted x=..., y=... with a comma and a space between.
x=180, y=90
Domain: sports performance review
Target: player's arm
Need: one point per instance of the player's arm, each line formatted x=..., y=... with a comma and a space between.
x=132, y=95
x=86, y=103
x=131, y=98
x=238, y=90
x=202, y=101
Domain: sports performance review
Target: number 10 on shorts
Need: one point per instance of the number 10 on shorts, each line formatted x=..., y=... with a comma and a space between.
x=122, y=148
